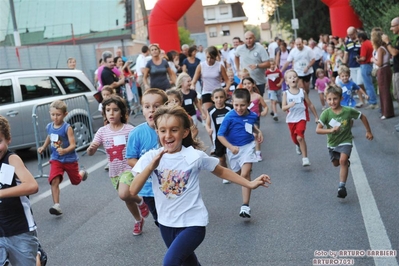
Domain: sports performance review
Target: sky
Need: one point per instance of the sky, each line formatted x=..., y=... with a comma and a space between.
x=252, y=9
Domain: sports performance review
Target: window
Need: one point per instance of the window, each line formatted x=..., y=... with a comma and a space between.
x=226, y=30
x=210, y=14
x=224, y=10
x=72, y=85
x=6, y=92
x=213, y=32
x=38, y=87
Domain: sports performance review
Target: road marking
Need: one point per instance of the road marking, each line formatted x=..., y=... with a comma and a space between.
x=65, y=183
x=376, y=232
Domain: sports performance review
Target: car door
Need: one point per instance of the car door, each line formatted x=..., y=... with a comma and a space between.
x=10, y=109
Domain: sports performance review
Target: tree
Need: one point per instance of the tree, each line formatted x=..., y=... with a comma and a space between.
x=184, y=36
x=376, y=13
x=313, y=17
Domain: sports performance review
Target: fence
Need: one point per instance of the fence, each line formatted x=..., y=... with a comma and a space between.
x=78, y=117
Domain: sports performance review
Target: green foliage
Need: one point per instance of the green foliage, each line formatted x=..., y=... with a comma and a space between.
x=313, y=17
x=376, y=13
x=184, y=36
x=255, y=29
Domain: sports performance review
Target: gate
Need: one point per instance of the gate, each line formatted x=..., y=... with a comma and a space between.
x=78, y=117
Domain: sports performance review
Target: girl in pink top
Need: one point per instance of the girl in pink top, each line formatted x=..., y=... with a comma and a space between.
x=321, y=83
x=258, y=106
x=113, y=137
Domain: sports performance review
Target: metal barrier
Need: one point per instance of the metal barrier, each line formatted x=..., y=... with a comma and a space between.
x=78, y=117
x=135, y=105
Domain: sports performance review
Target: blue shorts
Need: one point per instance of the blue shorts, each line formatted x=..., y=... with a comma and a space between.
x=19, y=249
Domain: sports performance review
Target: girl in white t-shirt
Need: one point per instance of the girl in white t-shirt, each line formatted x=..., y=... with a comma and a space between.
x=174, y=170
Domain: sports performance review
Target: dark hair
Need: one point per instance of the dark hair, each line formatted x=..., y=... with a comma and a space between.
x=120, y=102
x=237, y=38
x=362, y=35
x=116, y=59
x=171, y=54
x=180, y=113
x=144, y=49
x=242, y=94
x=5, y=128
x=212, y=51
x=176, y=93
x=253, y=82
x=191, y=50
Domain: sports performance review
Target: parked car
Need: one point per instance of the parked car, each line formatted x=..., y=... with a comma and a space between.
x=21, y=89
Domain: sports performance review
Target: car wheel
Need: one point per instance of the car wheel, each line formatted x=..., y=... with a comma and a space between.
x=81, y=130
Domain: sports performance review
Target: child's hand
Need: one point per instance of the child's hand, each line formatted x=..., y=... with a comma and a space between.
x=61, y=151
x=366, y=97
x=335, y=129
x=210, y=131
x=203, y=116
x=259, y=137
x=155, y=162
x=234, y=149
x=369, y=135
x=262, y=180
x=40, y=150
x=93, y=146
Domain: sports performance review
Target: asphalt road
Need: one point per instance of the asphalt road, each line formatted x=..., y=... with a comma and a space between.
x=297, y=221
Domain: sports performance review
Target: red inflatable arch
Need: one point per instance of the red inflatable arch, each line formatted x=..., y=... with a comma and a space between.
x=342, y=16
x=163, y=23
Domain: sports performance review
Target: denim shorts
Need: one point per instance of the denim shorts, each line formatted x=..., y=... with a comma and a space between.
x=19, y=249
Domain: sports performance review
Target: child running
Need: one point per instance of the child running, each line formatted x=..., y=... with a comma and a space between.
x=348, y=88
x=144, y=138
x=190, y=97
x=18, y=242
x=114, y=137
x=321, y=83
x=337, y=120
x=214, y=119
x=174, y=170
x=257, y=103
x=236, y=133
x=275, y=80
x=63, y=155
x=296, y=102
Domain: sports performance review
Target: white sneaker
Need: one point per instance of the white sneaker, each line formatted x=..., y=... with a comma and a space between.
x=298, y=150
x=225, y=181
x=305, y=161
x=56, y=209
x=245, y=211
x=259, y=157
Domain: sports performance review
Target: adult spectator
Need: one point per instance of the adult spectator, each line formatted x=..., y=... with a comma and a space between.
x=71, y=63
x=271, y=49
x=281, y=58
x=120, y=54
x=141, y=62
x=352, y=52
x=393, y=49
x=96, y=79
x=231, y=61
x=318, y=55
x=183, y=55
x=366, y=53
x=225, y=53
x=254, y=58
x=158, y=70
x=190, y=65
x=384, y=73
x=200, y=53
x=303, y=59
x=109, y=75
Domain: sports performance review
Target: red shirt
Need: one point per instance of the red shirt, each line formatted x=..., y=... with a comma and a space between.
x=273, y=78
x=366, y=51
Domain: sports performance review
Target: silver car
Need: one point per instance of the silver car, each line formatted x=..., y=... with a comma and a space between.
x=20, y=90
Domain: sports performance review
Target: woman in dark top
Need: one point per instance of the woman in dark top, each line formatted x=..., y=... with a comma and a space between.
x=191, y=62
x=158, y=70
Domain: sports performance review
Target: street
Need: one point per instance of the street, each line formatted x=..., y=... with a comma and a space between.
x=298, y=220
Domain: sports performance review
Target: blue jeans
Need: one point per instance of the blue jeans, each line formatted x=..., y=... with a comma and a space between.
x=366, y=69
x=19, y=249
x=181, y=243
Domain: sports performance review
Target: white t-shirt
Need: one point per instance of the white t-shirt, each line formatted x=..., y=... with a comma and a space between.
x=141, y=62
x=271, y=49
x=301, y=60
x=176, y=187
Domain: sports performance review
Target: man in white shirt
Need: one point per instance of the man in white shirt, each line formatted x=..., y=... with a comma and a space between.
x=303, y=58
x=225, y=53
x=231, y=60
x=271, y=49
x=318, y=63
x=141, y=62
x=200, y=53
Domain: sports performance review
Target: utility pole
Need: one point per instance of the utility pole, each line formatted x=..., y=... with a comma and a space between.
x=294, y=21
x=17, y=39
